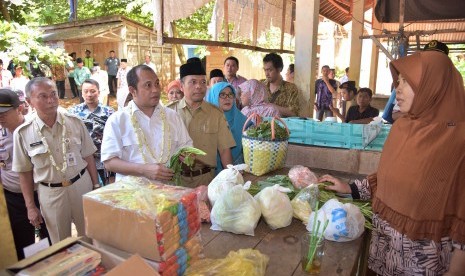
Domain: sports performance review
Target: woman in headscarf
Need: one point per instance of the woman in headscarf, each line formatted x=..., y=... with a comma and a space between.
x=174, y=91
x=222, y=95
x=254, y=99
x=418, y=192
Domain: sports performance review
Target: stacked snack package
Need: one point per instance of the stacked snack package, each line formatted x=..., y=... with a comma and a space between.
x=74, y=260
x=159, y=222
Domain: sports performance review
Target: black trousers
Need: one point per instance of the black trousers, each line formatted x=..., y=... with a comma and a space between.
x=112, y=84
x=23, y=231
x=61, y=88
x=73, y=86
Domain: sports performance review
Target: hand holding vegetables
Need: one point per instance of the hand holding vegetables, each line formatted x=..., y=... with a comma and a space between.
x=156, y=172
x=185, y=156
x=338, y=186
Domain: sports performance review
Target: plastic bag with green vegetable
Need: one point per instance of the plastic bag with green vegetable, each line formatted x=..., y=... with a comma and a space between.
x=303, y=202
x=236, y=211
x=224, y=181
x=275, y=206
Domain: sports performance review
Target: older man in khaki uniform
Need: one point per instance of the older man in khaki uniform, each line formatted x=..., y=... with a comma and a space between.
x=55, y=150
x=206, y=125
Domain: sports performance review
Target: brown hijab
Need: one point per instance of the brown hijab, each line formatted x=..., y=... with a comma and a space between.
x=420, y=186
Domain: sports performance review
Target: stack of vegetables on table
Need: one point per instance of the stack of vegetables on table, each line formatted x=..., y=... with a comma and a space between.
x=281, y=197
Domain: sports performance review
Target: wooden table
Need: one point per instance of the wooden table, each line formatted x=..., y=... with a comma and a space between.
x=282, y=246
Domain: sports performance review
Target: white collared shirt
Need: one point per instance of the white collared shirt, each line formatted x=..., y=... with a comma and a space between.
x=120, y=140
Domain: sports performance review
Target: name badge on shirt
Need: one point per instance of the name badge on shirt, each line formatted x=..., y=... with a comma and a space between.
x=36, y=144
x=71, y=159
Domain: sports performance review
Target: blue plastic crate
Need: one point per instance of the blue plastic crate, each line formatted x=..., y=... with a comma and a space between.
x=335, y=135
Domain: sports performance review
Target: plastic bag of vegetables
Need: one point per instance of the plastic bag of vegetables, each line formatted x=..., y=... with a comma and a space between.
x=275, y=206
x=346, y=222
x=224, y=181
x=302, y=176
x=236, y=211
x=304, y=201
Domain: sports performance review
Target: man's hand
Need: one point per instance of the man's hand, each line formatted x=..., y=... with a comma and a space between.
x=157, y=172
x=34, y=216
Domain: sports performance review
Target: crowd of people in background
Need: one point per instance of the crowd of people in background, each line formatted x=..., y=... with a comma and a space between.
x=50, y=157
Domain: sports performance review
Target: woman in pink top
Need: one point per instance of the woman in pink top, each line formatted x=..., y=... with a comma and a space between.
x=254, y=99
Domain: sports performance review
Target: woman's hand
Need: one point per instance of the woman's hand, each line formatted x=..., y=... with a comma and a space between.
x=338, y=185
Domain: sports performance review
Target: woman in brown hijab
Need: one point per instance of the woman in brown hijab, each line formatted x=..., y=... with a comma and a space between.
x=418, y=192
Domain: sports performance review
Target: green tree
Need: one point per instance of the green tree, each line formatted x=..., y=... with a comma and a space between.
x=22, y=42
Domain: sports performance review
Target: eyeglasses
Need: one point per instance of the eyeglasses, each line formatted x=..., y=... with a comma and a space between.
x=225, y=96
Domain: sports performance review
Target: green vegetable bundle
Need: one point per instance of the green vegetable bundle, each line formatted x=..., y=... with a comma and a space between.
x=189, y=154
x=282, y=180
x=263, y=130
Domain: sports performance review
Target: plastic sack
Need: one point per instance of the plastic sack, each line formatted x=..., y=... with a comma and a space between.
x=275, y=206
x=244, y=262
x=304, y=201
x=204, y=209
x=302, y=176
x=224, y=181
x=346, y=222
x=236, y=211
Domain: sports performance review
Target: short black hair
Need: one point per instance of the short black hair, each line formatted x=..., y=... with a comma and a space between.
x=79, y=60
x=291, y=67
x=275, y=59
x=347, y=70
x=132, y=77
x=1, y=61
x=325, y=66
x=232, y=58
x=366, y=90
x=112, y=51
x=91, y=81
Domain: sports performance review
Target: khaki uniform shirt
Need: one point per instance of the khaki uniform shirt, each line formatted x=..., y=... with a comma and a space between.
x=287, y=95
x=30, y=152
x=207, y=127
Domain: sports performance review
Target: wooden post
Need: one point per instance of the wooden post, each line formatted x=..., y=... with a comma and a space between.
x=255, y=23
x=283, y=24
x=159, y=5
x=356, y=41
x=226, y=20
x=306, y=32
x=376, y=26
x=7, y=245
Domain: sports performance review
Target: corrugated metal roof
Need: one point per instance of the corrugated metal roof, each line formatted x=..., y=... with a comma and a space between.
x=340, y=12
x=450, y=31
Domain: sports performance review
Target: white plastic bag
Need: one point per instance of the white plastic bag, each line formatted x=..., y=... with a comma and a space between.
x=275, y=206
x=346, y=222
x=304, y=201
x=302, y=176
x=224, y=181
x=236, y=211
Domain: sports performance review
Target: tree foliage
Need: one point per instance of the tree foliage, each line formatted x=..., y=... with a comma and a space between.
x=21, y=43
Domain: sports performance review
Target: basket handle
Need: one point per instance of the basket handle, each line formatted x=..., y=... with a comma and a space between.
x=255, y=116
x=272, y=126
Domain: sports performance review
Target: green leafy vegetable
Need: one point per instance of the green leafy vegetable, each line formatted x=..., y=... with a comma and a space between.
x=189, y=154
x=282, y=180
x=263, y=130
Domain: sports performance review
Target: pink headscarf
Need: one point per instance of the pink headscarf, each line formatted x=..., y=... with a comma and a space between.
x=257, y=93
x=173, y=84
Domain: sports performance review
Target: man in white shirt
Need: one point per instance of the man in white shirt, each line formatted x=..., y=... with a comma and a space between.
x=148, y=62
x=5, y=76
x=140, y=139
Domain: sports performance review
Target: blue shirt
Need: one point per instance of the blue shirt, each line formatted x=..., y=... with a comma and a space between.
x=95, y=123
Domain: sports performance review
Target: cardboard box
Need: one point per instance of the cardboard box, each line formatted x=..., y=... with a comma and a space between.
x=135, y=265
x=109, y=260
x=114, y=264
x=142, y=217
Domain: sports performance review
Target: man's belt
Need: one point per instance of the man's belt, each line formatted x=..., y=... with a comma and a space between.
x=196, y=172
x=65, y=183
